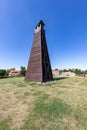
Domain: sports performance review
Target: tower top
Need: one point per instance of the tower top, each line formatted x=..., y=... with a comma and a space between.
x=41, y=23
x=39, y=26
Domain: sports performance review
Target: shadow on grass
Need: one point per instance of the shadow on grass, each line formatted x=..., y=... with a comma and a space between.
x=59, y=78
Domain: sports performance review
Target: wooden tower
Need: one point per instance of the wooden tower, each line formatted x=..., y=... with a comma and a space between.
x=39, y=67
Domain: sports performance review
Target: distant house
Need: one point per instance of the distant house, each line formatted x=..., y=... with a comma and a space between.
x=61, y=73
x=14, y=73
x=85, y=75
x=55, y=72
x=71, y=74
x=81, y=75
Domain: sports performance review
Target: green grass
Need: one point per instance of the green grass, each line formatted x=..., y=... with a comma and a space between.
x=26, y=94
x=57, y=105
x=55, y=108
x=4, y=125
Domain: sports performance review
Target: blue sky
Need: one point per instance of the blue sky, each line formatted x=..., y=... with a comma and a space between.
x=65, y=25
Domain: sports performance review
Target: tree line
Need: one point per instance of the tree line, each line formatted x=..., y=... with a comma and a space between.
x=5, y=73
x=76, y=71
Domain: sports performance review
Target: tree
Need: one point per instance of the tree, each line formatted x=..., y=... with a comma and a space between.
x=65, y=70
x=85, y=71
x=56, y=69
x=22, y=71
x=78, y=71
x=2, y=73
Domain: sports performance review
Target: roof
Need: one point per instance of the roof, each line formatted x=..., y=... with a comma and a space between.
x=40, y=23
x=14, y=71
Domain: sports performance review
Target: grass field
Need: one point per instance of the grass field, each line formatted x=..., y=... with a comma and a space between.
x=57, y=105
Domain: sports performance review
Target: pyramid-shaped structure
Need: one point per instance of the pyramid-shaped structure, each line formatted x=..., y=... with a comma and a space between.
x=39, y=67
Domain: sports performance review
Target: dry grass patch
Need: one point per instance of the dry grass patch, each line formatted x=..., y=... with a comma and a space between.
x=57, y=105
x=14, y=104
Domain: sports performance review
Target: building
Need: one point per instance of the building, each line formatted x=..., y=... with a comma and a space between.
x=71, y=74
x=55, y=73
x=14, y=73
